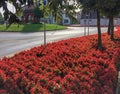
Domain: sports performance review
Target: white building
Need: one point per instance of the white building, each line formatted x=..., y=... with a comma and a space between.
x=91, y=19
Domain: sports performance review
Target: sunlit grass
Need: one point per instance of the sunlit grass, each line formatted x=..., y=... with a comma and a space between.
x=31, y=27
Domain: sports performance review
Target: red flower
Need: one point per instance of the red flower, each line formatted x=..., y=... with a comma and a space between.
x=64, y=67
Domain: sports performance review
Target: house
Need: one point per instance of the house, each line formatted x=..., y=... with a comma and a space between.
x=90, y=19
x=28, y=15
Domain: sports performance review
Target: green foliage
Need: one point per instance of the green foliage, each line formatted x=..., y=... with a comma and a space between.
x=1, y=16
x=111, y=10
x=37, y=12
x=108, y=7
x=112, y=7
x=70, y=12
x=56, y=8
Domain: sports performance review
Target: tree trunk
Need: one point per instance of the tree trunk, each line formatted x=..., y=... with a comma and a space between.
x=99, y=30
x=112, y=28
x=109, y=25
x=55, y=17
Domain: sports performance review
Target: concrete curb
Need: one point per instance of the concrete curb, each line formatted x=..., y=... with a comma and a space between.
x=118, y=84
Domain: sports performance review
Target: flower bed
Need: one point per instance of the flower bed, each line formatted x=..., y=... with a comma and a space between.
x=72, y=66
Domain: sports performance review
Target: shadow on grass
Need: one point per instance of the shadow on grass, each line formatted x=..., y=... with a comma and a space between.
x=27, y=28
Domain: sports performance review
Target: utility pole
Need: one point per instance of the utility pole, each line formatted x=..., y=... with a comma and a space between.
x=88, y=23
x=44, y=3
x=85, y=27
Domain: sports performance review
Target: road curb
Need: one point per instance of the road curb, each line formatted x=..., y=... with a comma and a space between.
x=118, y=83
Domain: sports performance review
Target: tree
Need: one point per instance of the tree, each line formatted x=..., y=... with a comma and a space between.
x=56, y=7
x=96, y=6
x=111, y=10
x=106, y=11
x=17, y=4
x=38, y=13
x=1, y=19
x=1, y=16
x=69, y=10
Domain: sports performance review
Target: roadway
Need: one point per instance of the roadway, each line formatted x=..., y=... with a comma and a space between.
x=14, y=42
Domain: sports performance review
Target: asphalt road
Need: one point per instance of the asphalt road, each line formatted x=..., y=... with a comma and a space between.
x=12, y=42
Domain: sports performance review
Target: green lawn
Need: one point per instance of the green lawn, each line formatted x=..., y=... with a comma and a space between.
x=31, y=27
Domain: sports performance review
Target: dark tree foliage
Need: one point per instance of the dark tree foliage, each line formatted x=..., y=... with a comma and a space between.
x=37, y=12
x=13, y=19
x=111, y=10
x=54, y=6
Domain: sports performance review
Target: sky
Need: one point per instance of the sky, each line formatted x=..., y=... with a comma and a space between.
x=10, y=7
